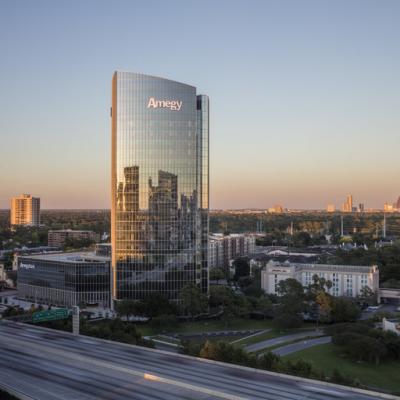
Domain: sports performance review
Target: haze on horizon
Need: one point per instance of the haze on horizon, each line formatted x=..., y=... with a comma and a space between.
x=305, y=96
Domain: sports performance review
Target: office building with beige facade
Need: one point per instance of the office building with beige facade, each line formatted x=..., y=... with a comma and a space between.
x=347, y=280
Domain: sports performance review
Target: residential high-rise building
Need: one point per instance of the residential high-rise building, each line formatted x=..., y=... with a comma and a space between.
x=225, y=248
x=159, y=212
x=277, y=208
x=330, y=208
x=348, y=204
x=25, y=210
x=388, y=207
x=61, y=237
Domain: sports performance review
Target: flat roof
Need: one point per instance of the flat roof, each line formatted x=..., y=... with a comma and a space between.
x=72, y=257
x=69, y=231
x=322, y=267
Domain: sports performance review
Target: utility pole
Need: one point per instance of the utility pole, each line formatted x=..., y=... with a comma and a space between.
x=384, y=226
x=75, y=320
x=341, y=225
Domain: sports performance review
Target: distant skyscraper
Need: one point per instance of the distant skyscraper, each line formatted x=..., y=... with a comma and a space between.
x=277, y=208
x=398, y=204
x=348, y=204
x=159, y=218
x=388, y=207
x=25, y=210
x=330, y=208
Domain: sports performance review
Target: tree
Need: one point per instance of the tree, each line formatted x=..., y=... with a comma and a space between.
x=221, y=296
x=300, y=368
x=302, y=239
x=318, y=285
x=264, y=306
x=156, y=304
x=290, y=289
x=194, y=302
x=291, y=304
x=245, y=281
x=337, y=377
x=364, y=348
x=344, y=310
x=367, y=296
x=126, y=308
x=73, y=243
x=269, y=361
x=242, y=268
x=216, y=274
x=208, y=351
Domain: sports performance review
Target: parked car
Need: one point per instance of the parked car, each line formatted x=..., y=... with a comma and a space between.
x=373, y=308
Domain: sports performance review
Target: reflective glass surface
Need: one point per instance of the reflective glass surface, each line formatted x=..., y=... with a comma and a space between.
x=64, y=283
x=159, y=186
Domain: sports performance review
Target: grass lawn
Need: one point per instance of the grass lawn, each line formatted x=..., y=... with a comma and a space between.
x=214, y=339
x=327, y=357
x=208, y=326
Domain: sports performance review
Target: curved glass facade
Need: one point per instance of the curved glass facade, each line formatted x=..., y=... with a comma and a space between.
x=159, y=186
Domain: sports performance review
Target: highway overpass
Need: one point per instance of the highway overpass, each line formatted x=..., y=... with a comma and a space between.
x=38, y=363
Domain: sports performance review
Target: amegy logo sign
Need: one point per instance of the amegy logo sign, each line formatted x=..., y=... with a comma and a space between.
x=173, y=105
x=26, y=266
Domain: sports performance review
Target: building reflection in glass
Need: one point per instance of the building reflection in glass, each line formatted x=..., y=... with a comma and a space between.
x=159, y=186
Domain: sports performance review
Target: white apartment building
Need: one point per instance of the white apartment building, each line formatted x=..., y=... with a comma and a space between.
x=224, y=248
x=347, y=280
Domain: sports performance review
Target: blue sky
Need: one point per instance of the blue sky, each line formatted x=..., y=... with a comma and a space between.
x=305, y=95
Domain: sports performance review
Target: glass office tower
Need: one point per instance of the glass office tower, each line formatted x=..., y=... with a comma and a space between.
x=160, y=194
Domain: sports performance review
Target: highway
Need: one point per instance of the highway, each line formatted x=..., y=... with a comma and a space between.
x=49, y=365
x=281, y=340
x=298, y=346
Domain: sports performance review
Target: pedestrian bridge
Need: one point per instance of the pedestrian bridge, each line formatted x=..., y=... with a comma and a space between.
x=384, y=293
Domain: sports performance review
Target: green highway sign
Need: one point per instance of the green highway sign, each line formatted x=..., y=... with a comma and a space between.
x=50, y=315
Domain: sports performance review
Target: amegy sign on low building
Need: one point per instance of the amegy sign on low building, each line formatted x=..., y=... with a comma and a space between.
x=26, y=266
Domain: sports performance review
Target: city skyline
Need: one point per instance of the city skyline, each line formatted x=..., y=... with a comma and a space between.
x=304, y=97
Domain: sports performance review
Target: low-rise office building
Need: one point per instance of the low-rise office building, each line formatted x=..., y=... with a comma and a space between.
x=347, y=280
x=224, y=248
x=65, y=279
x=58, y=238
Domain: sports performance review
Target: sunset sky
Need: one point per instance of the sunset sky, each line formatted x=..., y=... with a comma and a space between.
x=305, y=95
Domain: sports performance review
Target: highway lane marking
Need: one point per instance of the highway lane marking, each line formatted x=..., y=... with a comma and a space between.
x=134, y=372
x=294, y=379
x=271, y=389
